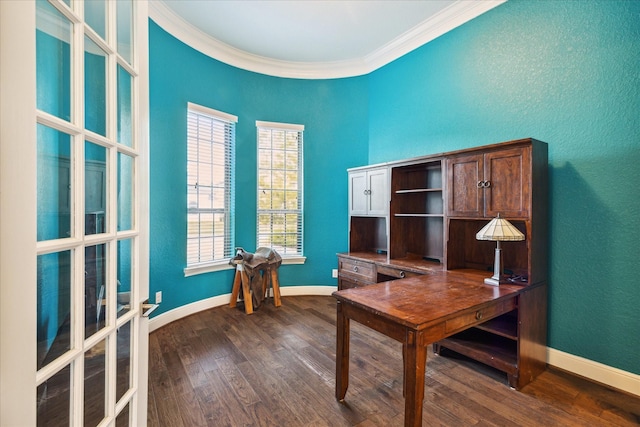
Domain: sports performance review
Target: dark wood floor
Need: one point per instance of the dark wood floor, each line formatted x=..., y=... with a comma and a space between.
x=276, y=367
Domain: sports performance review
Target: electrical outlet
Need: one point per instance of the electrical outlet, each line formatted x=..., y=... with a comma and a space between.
x=158, y=297
x=334, y=273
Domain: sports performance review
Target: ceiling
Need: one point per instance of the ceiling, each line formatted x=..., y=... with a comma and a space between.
x=312, y=38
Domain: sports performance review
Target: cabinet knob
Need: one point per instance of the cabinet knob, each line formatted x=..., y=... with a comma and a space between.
x=487, y=184
x=402, y=274
x=355, y=268
x=480, y=184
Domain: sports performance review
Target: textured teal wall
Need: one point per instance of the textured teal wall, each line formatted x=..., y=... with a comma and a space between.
x=334, y=113
x=568, y=73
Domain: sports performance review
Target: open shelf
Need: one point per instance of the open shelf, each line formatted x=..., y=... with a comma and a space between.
x=491, y=349
x=465, y=251
x=368, y=234
x=417, y=235
x=418, y=190
x=419, y=215
x=505, y=325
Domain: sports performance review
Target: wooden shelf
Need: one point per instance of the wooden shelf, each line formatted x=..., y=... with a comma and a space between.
x=505, y=325
x=420, y=215
x=490, y=349
x=418, y=190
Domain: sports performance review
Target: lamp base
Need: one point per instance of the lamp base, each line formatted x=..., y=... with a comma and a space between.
x=493, y=281
x=496, y=279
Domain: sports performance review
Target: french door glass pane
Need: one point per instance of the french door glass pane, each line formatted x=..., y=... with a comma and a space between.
x=123, y=361
x=95, y=88
x=125, y=261
x=54, y=306
x=125, y=130
x=94, y=384
x=95, y=292
x=54, y=184
x=95, y=188
x=125, y=192
x=95, y=16
x=53, y=61
x=124, y=25
x=122, y=420
x=53, y=400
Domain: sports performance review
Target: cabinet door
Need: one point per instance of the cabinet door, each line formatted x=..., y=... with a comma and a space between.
x=378, y=192
x=368, y=192
x=358, y=198
x=507, y=176
x=464, y=177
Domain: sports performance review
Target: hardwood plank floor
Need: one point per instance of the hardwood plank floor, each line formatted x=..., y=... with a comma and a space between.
x=276, y=367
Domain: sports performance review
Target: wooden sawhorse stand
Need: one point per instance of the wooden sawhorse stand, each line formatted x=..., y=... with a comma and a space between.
x=269, y=277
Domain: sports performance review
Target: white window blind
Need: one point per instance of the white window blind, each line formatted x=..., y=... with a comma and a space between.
x=210, y=185
x=280, y=195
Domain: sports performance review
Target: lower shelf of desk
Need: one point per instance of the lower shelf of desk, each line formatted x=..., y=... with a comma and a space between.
x=490, y=349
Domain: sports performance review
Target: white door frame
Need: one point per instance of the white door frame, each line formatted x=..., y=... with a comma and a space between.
x=17, y=214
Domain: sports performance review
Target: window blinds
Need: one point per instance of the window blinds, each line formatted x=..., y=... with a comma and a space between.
x=280, y=189
x=210, y=185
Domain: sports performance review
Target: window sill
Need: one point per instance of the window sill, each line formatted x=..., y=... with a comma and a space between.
x=224, y=265
x=295, y=259
x=209, y=267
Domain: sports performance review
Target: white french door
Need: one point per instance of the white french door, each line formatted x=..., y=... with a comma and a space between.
x=74, y=220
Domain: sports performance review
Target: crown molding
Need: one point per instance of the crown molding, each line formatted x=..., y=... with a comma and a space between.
x=453, y=16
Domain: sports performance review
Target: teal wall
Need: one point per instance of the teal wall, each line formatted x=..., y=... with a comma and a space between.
x=567, y=73
x=334, y=113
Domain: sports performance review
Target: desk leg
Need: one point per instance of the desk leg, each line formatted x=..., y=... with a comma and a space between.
x=342, y=354
x=415, y=361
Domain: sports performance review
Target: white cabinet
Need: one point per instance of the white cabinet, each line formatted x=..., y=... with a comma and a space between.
x=368, y=192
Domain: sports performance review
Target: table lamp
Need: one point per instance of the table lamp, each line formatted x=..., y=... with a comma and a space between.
x=498, y=230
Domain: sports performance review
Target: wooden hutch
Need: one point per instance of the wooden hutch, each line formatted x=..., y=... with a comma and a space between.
x=421, y=215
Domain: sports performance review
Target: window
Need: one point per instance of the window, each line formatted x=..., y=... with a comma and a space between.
x=280, y=213
x=210, y=188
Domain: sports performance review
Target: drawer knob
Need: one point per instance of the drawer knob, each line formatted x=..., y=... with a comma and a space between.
x=355, y=268
x=478, y=315
x=402, y=274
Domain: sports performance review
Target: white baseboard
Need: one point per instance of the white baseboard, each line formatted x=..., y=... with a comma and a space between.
x=205, y=304
x=607, y=375
x=604, y=374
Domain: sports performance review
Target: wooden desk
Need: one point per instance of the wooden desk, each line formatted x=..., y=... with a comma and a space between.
x=417, y=311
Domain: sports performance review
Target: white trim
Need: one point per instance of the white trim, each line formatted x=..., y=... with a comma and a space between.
x=455, y=15
x=209, y=267
x=604, y=374
x=18, y=170
x=211, y=112
x=441, y=23
x=205, y=304
x=279, y=126
x=293, y=259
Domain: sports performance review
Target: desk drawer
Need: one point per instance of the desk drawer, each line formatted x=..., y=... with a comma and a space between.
x=346, y=282
x=396, y=273
x=357, y=269
x=479, y=316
